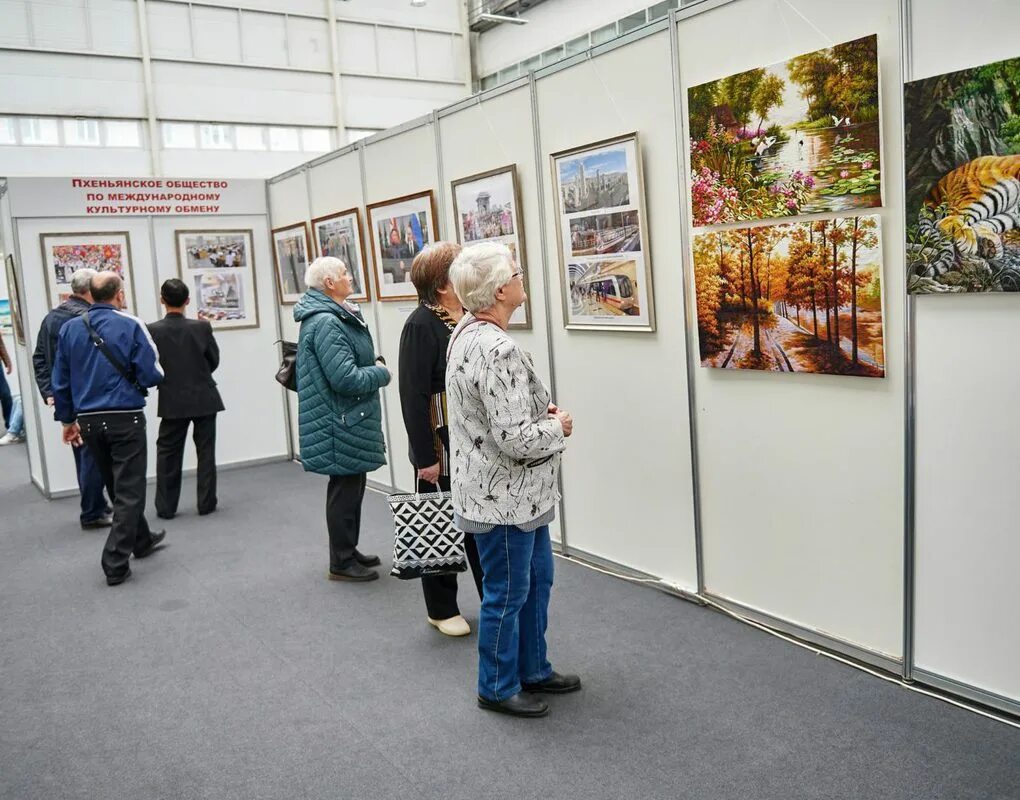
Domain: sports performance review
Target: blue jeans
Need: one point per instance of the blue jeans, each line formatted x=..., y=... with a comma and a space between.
x=17, y=423
x=517, y=579
x=6, y=401
x=90, y=484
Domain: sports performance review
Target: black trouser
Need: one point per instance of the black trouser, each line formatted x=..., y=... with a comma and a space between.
x=343, y=518
x=170, y=457
x=441, y=590
x=118, y=444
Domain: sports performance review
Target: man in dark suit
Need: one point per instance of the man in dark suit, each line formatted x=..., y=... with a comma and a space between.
x=187, y=395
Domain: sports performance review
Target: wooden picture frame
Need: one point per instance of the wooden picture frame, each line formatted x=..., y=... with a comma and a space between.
x=14, y=298
x=488, y=183
x=55, y=288
x=400, y=216
x=610, y=288
x=242, y=277
x=362, y=287
x=290, y=292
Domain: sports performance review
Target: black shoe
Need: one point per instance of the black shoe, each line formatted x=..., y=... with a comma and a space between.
x=366, y=561
x=117, y=580
x=203, y=513
x=104, y=521
x=355, y=572
x=166, y=515
x=520, y=705
x=554, y=684
x=153, y=545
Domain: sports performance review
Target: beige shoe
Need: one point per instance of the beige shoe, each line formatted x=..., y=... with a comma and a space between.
x=454, y=626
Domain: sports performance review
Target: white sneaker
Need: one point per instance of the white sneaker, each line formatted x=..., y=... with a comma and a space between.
x=11, y=438
x=454, y=626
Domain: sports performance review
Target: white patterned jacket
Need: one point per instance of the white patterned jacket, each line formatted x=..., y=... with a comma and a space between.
x=504, y=446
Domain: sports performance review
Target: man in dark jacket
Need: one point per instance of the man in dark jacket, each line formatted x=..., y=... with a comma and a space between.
x=189, y=355
x=95, y=511
x=105, y=363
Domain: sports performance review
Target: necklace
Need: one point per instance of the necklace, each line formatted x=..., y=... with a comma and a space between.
x=444, y=315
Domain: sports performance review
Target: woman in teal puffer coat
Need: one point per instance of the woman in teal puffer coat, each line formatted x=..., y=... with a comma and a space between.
x=339, y=413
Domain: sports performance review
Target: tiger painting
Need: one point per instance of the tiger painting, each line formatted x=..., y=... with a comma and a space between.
x=977, y=202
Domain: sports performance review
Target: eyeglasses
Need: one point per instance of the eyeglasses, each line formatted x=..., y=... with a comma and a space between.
x=518, y=274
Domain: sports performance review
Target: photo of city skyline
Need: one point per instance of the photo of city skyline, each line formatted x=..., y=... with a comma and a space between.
x=595, y=180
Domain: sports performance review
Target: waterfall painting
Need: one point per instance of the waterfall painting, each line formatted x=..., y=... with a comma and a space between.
x=963, y=180
x=798, y=137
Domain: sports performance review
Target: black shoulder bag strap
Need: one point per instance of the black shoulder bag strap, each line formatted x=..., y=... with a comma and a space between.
x=101, y=345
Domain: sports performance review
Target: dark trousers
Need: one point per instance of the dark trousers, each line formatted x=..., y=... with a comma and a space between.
x=441, y=590
x=118, y=444
x=343, y=518
x=90, y=484
x=6, y=398
x=170, y=457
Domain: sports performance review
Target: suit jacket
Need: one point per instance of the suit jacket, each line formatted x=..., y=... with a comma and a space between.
x=189, y=356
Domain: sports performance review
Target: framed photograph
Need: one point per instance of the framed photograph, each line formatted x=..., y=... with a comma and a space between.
x=765, y=297
x=797, y=137
x=602, y=235
x=64, y=253
x=400, y=228
x=487, y=207
x=339, y=235
x=291, y=247
x=14, y=301
x=219, y=269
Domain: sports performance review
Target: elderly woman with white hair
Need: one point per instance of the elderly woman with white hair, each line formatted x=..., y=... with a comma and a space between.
x=339, y=413
x=506, y=437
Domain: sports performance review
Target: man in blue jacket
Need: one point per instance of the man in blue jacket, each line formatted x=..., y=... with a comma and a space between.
x=95, y=512
x=105, y=363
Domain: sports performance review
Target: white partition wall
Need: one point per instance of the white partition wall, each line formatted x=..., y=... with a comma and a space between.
x=495, y=132
x=801, y=476
x=627, y=474
x=968, y=443
x=248, y=357
x=400, y=164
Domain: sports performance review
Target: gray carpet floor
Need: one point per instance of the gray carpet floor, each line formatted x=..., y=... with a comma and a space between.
x=229, y=667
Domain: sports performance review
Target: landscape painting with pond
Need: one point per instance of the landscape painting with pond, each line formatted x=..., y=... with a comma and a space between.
x=799, y=137
x=963, y=180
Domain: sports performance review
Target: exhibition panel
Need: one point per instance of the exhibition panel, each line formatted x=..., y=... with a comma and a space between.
x=484, y=137
x=627, y=474
x=800, y=476
x=399, y=172
x=966, y=543
x=214, y=234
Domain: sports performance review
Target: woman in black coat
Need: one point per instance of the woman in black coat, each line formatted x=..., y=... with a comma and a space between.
x=422, y=372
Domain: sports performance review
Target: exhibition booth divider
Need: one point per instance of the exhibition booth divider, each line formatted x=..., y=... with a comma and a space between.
x=213, y=234
x=721, y=290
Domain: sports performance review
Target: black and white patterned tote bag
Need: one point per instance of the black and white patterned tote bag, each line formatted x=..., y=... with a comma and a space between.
x=425, y=541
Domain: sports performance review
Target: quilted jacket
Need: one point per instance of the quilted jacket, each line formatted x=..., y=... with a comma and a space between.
x=339, y=413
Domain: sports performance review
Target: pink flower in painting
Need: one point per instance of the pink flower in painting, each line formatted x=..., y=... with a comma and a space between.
x=809, y=181
x=791, y=204
x=844, y=173
x=866, y=165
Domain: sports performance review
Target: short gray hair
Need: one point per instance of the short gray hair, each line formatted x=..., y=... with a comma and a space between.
x=479, y=272
x=81, y=280
x=322, y=268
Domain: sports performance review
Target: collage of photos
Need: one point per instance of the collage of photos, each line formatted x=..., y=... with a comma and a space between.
x=401, y=228
x=65, y=253
x=606, y=273
x=798, y=137
x=218, y=268
x=487, y=209
x=963, y=180
x=290, y=252
x=792, y=297
x=339, y=235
